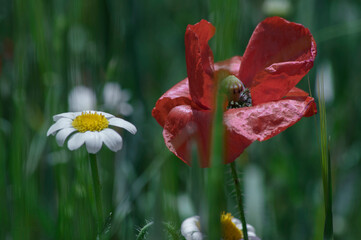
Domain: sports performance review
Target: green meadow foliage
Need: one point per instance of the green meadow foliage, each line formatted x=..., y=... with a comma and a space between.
x=46, y=191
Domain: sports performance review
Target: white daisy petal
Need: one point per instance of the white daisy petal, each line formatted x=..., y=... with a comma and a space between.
x=118, y=122
x=238, y=224
x=106, y=115
x=76, y=141
x=190, y=228
x=63, y=134
x=93, y=141
x=112, y=139
x=85, y=111
x=62, y=123
x=70, y=115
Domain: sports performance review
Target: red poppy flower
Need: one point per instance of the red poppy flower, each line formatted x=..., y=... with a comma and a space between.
x=279, y=54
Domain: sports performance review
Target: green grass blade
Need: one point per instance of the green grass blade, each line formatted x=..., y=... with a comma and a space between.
x=326, y=164
x=225, y=17
x=215, y=183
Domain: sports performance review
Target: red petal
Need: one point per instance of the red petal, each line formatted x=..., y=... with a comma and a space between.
x=264, y=121
x=231, y=65
x=185, y=125
x=300, y=95
x=177, y=95
x=199, y=59
x=279, y=54
x=296, y=92
x=235, y=145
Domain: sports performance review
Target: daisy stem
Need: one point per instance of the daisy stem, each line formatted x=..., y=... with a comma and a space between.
x=97, y=190
x=237, y=187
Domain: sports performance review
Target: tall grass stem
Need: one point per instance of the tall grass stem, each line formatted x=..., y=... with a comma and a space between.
x=225, y=17
x=215, y=183
x=326, y=164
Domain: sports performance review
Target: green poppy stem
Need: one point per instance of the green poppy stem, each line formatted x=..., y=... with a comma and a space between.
x=239, y=195
x=97, y=190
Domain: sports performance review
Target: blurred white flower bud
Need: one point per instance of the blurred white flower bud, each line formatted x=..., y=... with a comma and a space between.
x=276, y=7
x=325, y=74
x=81, y=98
x=116, y=99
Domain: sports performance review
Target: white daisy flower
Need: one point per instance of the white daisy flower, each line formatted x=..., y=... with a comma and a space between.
x=81, y=98
x=231, y=228
x=116, y=99
x=191, y=228
x=91, y=128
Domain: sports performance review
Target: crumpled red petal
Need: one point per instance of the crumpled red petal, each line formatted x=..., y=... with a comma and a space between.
x=177, y=95
x=199, y=60
x=264, y=121
x=185, y=126
x=300, y=95
x=279, y=54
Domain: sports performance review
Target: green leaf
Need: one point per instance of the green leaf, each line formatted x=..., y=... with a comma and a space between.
x=172, y=232
x=143, y=232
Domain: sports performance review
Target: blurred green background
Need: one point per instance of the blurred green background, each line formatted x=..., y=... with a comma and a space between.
x=49, y=47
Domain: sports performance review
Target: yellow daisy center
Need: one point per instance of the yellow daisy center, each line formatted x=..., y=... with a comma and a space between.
x=90, y=122
x=229, y=229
